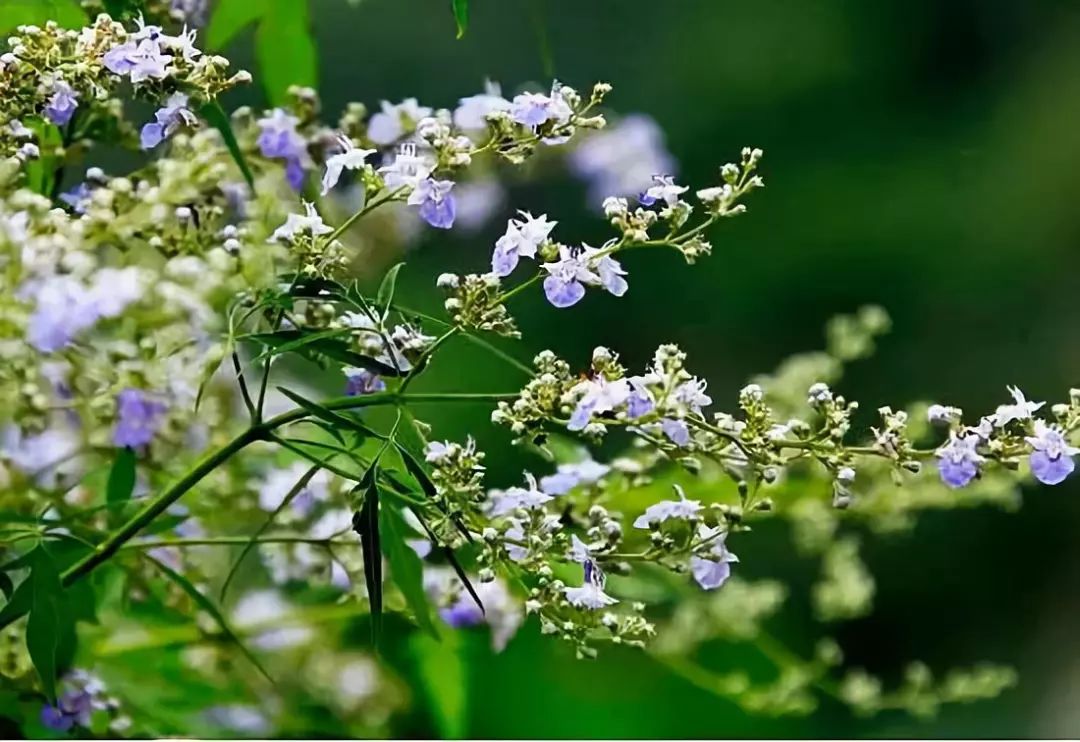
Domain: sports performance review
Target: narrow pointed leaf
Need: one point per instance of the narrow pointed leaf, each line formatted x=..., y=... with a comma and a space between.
x=366, y=525
x=208, y=605
x=405, y=566
x=461, y=16
x=385, y=297
x=216, y=117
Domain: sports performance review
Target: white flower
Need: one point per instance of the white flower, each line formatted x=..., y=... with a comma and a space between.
x=309, y=223
x=668, y=509
x=350, y=158
x=1020, y=409
x=389, y=125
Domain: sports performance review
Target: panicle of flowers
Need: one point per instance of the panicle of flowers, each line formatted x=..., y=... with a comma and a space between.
x=473, y=302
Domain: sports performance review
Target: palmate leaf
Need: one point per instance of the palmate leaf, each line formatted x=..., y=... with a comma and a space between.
x=366, y=524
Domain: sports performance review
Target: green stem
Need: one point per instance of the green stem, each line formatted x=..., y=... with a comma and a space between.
x=237, y=541
x=212, y=461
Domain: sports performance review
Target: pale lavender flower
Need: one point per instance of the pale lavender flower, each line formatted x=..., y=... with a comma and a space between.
x=78, y=198
x=640, y=402
x=565, y=284
x=278, y=138
x=692, y=394
x=167, y=120
x=1051, y=460
x=609, y=271
x=504, y=502
x=118, y=59
x=64, y=308
x=568, y=476
x=350, y=157
x=390, y=124
x=621, y=159
x=522, y=239
x=477, y=202
x=471, y=112
x=361, y=381
x=437, y=205
x=657, y=513
x=590, y=595
x=148, y=62
x=597, y=396
x=501, y=612
x=665, y=190
x=712, y=569
x=1020, y=409
x=958, y=461
x=61, y=106
x=536, y=109
x=676, y=431
x=139, y=416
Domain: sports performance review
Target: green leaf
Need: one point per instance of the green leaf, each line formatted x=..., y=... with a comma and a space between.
x=385, y=297
x=366, y=525
x=443, y=677
x=405, y=566
x=207, y=605
x=7, y=587
x=121, y=476
x=50, y=630
x=297, y=339
x=230, y=17
x=416, y=469
x=123, y=9
x=337, y=350
x=18, y=604
x=452, y=558
x=285, y=49
x=215, y=115
x=461, y=16
x=336, y=419
x=14, y=13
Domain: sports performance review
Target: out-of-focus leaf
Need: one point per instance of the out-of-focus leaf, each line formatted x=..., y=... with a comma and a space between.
x=124, y=9
x=405, y=567
x=385, y=297
x=216, y=117
x=14, y=13
x=366, y=525
x=461, y=16
x=230, y=17
x=289, y=497
x=285, y=49
x=337, y=350
x=121, y=476
x=7, y=587
x=442, y=674
x=208, y=605
x=299, y=340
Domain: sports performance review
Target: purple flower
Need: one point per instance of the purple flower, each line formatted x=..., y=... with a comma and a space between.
x=640, y=401
x=78, y=198
x=64, y=308
x=609, y=271
x=147, y=62
x=713, y=568
x=61, y=107
x=168, y=119
x=361, y=381
x=958, y=461
x=138, y=418
x=565, y=284
x=568, y=476
x=504, y=502
x=75, y=706
x=676, y=431
x=392, y=121
x=1051, y=460
x=471, y=113
x=437, y=206
x=536, y=109
x=279, y=139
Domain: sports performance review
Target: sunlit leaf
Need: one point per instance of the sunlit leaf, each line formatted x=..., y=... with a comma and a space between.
x=461, y=16
x=443, y=678
x=285, y=49
x=229, y=18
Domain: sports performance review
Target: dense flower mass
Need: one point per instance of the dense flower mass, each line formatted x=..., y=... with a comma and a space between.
x=169, y=330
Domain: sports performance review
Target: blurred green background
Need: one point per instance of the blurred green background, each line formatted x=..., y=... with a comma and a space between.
x=920, y=154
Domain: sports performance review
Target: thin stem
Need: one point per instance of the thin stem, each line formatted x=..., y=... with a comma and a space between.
x=236, y=541
x=367, y=209
x=243, y=386
x=425, y=357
